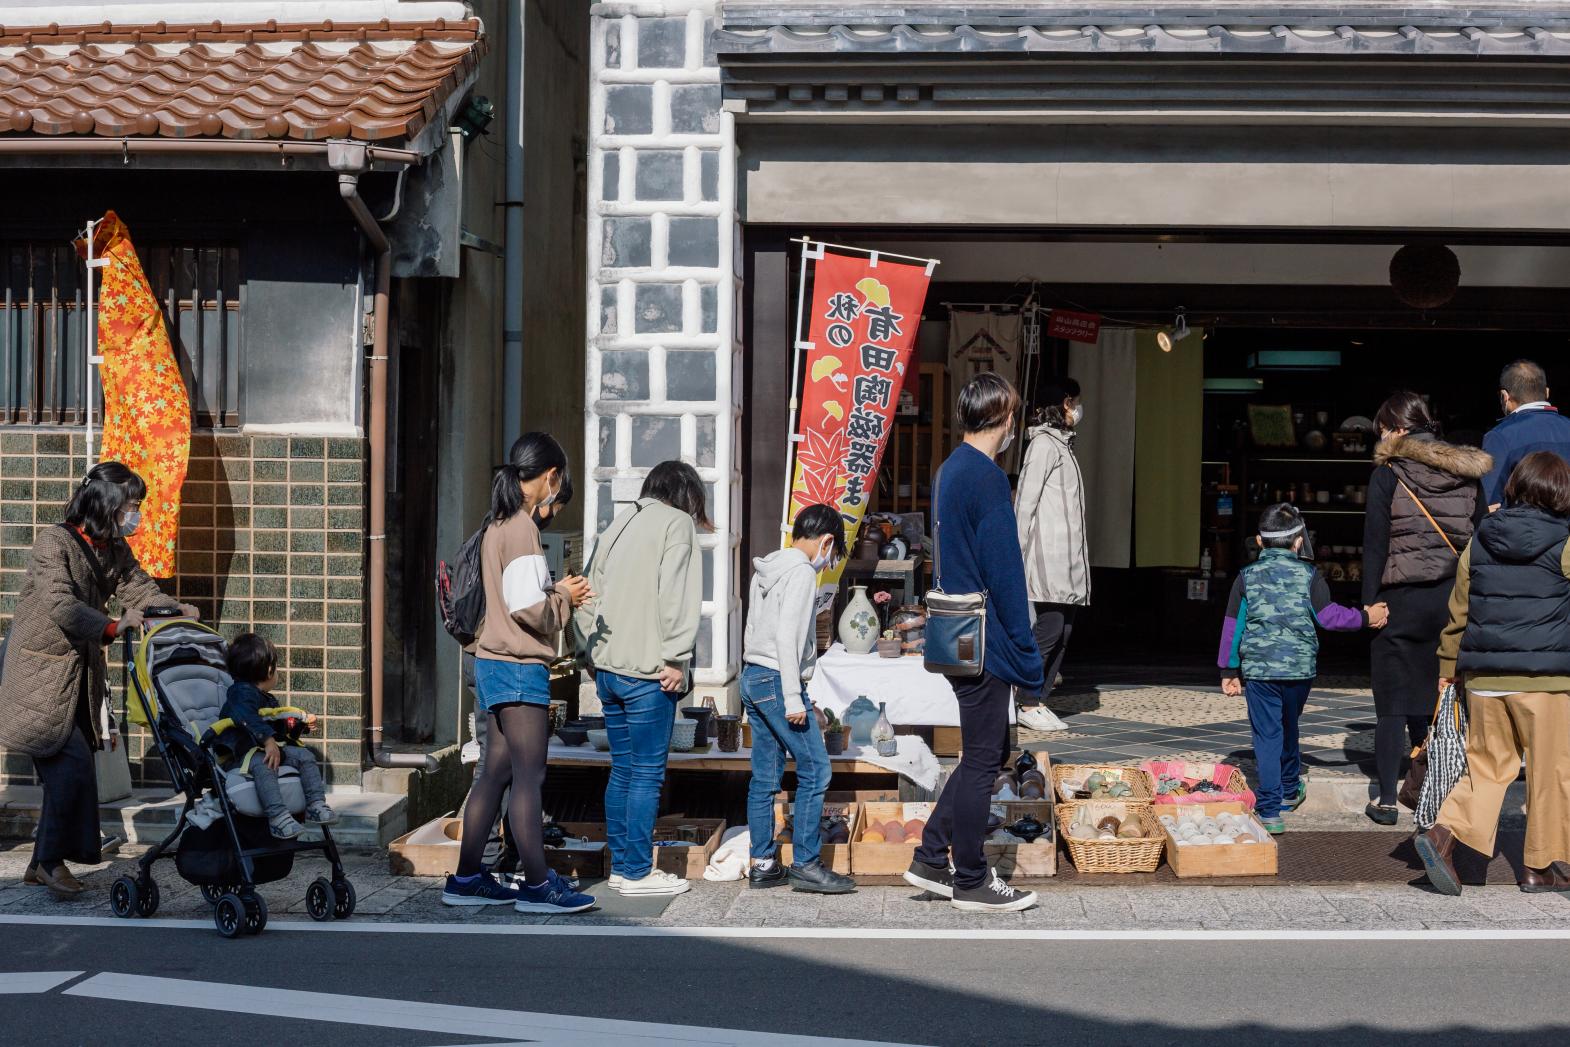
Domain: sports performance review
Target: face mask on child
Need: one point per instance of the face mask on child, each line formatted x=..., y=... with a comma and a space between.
x=825, y=556
x=130, y=523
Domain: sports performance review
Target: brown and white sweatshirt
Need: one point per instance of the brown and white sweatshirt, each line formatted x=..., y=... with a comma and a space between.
x=523, y=611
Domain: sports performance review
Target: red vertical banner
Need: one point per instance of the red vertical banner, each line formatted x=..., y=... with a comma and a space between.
x=865, y=312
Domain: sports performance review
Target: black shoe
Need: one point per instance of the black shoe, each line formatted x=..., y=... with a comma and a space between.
x=930, y=878
x=760, y=879
x=1382, y=814
x=818, y=878
x=994, y=895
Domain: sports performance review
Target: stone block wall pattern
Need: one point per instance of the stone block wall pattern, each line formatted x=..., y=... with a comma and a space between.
x=663, y=285
x=272, y=537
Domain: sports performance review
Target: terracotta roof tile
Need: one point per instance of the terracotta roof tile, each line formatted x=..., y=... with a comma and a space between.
x=371, y=82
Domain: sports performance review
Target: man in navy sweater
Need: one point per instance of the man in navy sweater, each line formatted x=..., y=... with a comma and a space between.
x=1531, y=424
x=978, y=551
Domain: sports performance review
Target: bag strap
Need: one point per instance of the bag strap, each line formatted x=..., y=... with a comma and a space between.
x=1448, y=543
x=937, y=528
x=637, y=507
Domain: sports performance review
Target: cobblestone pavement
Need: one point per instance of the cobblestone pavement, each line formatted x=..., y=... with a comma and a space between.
x=387, y=898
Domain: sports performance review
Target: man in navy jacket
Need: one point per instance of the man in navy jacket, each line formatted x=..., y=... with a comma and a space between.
x=1531, y=424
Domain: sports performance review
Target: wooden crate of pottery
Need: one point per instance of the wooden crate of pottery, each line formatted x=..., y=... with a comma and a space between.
x=835, y=856
x=1232, y=859
x=1027, y=861
x=432, y=850
x=881, y=858
x=687, y=861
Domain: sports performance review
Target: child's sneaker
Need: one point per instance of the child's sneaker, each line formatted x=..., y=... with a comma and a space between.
x=1275, y=826
x=285, y=827
x=321, y=814
x=479, y=889
x=1296, y=799
x=552, y=896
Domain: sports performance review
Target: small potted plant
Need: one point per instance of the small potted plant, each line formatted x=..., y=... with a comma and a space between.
x=833, y=734
x=889, y=644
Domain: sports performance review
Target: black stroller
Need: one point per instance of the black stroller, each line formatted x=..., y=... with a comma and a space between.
x=221, y=841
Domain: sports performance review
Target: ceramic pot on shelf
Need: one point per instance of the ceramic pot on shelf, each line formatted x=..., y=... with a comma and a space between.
x=858, y=627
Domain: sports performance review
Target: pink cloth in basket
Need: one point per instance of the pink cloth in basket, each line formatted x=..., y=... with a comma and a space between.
x=1218, y=773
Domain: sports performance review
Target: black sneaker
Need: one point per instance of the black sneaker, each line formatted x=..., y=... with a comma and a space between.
x=1382, y=814
x=930, y=878
x=817, y=878
x=994, y=895
x=761, y=879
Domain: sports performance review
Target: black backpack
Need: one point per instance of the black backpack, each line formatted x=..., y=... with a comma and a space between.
x=460, y=591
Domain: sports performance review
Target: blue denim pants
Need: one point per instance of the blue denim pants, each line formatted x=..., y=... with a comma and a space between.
x=638, y=721
x=1273, y=710
x=774, y=741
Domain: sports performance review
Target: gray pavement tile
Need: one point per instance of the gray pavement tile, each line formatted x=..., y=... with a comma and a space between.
x=1056, y=907
x=775, y=907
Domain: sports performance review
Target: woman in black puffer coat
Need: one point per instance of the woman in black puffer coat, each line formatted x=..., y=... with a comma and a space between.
x=1424, y=502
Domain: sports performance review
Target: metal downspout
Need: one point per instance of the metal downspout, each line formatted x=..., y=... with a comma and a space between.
x=350, y=162
x=512, y=256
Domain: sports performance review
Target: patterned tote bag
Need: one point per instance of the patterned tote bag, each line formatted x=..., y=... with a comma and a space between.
x=1446, y=758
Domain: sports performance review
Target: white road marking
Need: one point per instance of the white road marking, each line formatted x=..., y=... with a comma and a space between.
x=861, y=934
x=35, y=981
x=549, y=1030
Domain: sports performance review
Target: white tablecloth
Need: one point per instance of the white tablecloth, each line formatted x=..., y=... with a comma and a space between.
x=913, y=695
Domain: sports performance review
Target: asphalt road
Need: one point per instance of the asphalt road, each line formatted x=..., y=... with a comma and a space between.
x=909, y=991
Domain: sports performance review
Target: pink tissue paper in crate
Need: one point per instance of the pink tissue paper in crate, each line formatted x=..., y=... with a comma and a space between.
x=1218, y=773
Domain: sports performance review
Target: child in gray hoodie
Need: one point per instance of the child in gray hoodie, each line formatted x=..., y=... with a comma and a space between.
x=780, y=650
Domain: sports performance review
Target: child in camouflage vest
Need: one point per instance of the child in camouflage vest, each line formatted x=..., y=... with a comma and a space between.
x=1269, y=648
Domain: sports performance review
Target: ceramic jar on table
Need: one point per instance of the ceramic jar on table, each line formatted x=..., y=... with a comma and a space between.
x=858, y=627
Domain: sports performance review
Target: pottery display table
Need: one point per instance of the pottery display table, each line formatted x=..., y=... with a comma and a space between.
x=587, y=756
x=912, y=696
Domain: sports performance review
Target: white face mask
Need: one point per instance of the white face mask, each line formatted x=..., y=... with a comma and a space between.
x=130, y=523
x=550, y=497
x=825, y=557
x=1008, y=439
x=1076, y=415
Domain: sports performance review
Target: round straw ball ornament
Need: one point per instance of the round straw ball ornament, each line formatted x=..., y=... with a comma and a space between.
x=1425, y=276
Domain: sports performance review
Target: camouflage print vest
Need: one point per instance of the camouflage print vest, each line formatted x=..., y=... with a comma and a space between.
x=1280, y=640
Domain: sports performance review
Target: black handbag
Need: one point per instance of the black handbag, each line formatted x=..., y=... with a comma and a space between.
x=956, y=633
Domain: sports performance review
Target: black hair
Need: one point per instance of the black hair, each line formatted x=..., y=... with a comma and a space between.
x=677, y=485
x=251, y=658
x=1525, y=381
x=1405, y=410
x=532, y=455
x=815, y=521
x=1281, y=517
x=1053, y=393
x=986, y=402
x=560, y=502
x=103, y=492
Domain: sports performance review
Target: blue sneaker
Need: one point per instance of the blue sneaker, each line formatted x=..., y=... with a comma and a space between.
x=516, y=881
x=476, y=890
x=552, y=896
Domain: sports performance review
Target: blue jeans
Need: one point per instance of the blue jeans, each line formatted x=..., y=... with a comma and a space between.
x=1273, y=710
x=268, y=793
x=498, y=683
x=774, y=740
x=638, y=721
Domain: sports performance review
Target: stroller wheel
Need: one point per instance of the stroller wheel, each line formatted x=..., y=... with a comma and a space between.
x=255, y=914
x=343, y=899
x=230, y=916
x=319, y=901
x=147, y=901
x=124, y=897
x=211, y=892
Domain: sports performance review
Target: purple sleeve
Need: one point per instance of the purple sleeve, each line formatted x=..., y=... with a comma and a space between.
x=1331, y=615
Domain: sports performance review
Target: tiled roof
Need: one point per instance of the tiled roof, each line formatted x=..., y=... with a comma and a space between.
x=375, y=82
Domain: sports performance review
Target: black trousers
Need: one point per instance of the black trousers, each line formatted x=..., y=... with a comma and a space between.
x=1054, y=626
x=958, y=826
x=1394, y=737
x=68, y=821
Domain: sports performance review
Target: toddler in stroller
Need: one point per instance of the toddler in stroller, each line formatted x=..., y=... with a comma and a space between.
x=253, y=665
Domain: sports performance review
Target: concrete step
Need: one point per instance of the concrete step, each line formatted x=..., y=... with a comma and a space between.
x=148, y=815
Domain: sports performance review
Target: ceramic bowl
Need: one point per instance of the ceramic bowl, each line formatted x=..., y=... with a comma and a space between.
x=600, y=738
x=572, y=734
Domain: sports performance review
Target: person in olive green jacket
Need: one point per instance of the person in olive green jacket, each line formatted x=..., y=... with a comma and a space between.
x=639, y=636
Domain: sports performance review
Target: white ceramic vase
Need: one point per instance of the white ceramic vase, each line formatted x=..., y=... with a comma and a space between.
x=859, y=622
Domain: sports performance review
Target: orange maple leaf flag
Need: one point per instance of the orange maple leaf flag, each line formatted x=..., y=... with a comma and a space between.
x=147, y=411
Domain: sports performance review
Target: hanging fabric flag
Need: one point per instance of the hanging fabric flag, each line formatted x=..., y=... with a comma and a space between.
x=147, y=411
x=865, y=311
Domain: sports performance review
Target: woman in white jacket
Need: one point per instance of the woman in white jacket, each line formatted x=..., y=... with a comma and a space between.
x=1051, y=512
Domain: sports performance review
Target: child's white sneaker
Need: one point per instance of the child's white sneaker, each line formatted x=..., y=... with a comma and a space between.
x=321, y=814
x=285, y=827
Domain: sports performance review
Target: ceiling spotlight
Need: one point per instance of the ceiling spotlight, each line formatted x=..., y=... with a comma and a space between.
x=1164, y=339
x=1167, y=339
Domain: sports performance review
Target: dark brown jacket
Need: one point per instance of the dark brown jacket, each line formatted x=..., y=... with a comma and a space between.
x=1445, y=478
x=58, y=634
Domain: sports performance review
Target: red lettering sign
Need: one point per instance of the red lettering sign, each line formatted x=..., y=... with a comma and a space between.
x=1076, y=327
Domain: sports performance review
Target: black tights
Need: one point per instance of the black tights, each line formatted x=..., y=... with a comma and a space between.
x=514, y=755
x=1391, y=736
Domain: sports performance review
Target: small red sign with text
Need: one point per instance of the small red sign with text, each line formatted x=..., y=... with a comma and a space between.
x=1076, y=327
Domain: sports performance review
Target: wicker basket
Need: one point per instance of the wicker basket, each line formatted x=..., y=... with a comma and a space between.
x=1235, y=789
x=1142, y=783
x=1113, y=856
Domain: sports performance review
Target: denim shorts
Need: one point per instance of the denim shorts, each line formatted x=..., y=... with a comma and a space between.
x=509, y=683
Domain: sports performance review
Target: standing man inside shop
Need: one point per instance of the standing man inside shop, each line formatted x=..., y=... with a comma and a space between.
x=1531, y=424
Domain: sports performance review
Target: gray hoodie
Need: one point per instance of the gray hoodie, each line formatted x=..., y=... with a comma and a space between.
x=780, y=624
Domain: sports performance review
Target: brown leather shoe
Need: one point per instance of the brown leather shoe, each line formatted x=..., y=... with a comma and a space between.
x=30, y=877
x=60, y=882
x=1551, y=880
x=1435, y=847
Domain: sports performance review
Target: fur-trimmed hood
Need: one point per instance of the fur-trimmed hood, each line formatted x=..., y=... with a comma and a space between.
x=1468, y=463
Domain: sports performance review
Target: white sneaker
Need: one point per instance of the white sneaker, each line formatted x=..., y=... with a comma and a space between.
x=1040, y=718
x=657, y=883
x=615, y=882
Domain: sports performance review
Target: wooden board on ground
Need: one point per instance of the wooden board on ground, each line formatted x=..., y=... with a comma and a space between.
x=1233, y=859
x=432, y=850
